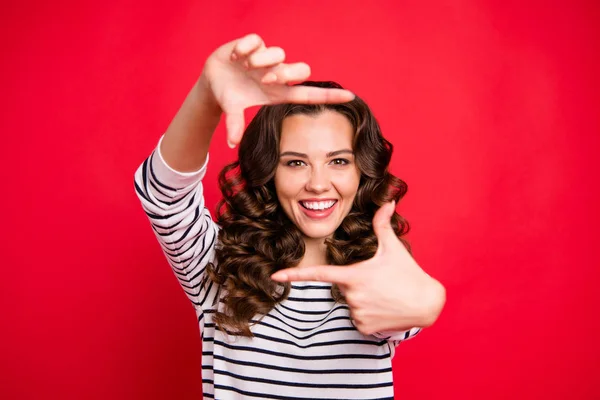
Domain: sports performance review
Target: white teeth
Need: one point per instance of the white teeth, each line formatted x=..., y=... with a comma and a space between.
x=318, y=205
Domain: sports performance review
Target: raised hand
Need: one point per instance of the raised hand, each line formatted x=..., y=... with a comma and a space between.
x=245, y=72
x=388, y=292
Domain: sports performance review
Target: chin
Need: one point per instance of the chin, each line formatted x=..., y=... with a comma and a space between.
x=318, y=233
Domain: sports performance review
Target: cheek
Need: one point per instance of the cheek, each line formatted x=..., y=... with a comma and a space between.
x=352, y=190
x=286, y=185
x=348, y=185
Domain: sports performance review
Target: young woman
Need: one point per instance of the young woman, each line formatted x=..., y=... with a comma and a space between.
x=303, y=286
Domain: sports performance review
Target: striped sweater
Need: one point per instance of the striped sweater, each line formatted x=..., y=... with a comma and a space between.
x=305, y=348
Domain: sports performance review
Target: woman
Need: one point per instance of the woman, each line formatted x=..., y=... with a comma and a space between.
x=311, y=188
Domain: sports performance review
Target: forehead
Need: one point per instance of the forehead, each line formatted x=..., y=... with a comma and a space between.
x=323, y=132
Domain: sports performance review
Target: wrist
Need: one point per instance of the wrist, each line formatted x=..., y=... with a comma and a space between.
x=205, y=95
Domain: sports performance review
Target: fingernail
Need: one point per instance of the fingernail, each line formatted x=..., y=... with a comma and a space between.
x=230, y=144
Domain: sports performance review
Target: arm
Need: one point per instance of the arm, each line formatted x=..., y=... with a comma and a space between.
x=169, y=184
x=185, y=144
x=174, y=204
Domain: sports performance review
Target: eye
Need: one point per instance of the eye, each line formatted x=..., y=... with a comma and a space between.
x=340, y=161
x=294, y=163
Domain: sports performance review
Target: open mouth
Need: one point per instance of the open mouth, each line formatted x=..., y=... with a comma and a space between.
x=318, y=205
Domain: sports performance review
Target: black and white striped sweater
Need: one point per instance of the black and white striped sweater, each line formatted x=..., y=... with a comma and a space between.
x=305, y=348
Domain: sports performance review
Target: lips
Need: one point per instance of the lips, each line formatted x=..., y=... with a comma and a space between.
x=318, y=208
x=317, y=204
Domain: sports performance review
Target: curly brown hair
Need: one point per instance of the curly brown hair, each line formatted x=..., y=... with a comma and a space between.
x=257, y=238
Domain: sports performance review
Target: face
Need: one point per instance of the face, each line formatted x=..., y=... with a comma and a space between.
x=317, y=178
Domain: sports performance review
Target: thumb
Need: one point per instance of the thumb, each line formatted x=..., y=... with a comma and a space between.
x=382, y=223
x=234, y=123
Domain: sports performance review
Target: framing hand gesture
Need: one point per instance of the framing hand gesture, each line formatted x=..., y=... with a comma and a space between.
x=388, y=292
x=245, y=73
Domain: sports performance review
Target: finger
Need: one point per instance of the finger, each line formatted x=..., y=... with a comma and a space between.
x=382, y=223
x=315, y=95
x=234, y=123
x=320, y=273
x=268, y=57
x=247, y=45
x=287, y=73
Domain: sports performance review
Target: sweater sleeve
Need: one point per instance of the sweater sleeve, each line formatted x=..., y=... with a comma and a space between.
x=174, y=204
x=395, y=337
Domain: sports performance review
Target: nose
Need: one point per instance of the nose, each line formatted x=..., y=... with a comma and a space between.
x=319, y=180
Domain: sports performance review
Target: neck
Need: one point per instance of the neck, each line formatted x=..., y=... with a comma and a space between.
x=315, y=252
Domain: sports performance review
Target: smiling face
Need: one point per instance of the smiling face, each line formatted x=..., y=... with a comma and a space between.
x=316, y=178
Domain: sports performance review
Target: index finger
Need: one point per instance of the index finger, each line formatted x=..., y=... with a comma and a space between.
x=316, y=95
x=317, y=273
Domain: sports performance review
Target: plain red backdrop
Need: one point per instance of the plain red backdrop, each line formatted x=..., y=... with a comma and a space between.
x=493, y=110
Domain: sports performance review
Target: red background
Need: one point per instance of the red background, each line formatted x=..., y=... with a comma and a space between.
x=493, y=110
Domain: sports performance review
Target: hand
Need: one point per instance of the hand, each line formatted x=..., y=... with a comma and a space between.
x=245, y=73
x=388, y=292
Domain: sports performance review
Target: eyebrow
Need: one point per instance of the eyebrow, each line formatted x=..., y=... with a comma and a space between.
x=302, y=155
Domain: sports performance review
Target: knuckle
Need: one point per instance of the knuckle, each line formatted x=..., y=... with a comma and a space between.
x=283, y=73
x=363, y=326
x=247, y=43
x=358, y=315
x=237, y=47
x=360, y=326
x=253, y=59
x=353, y=299
x=367, y=330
